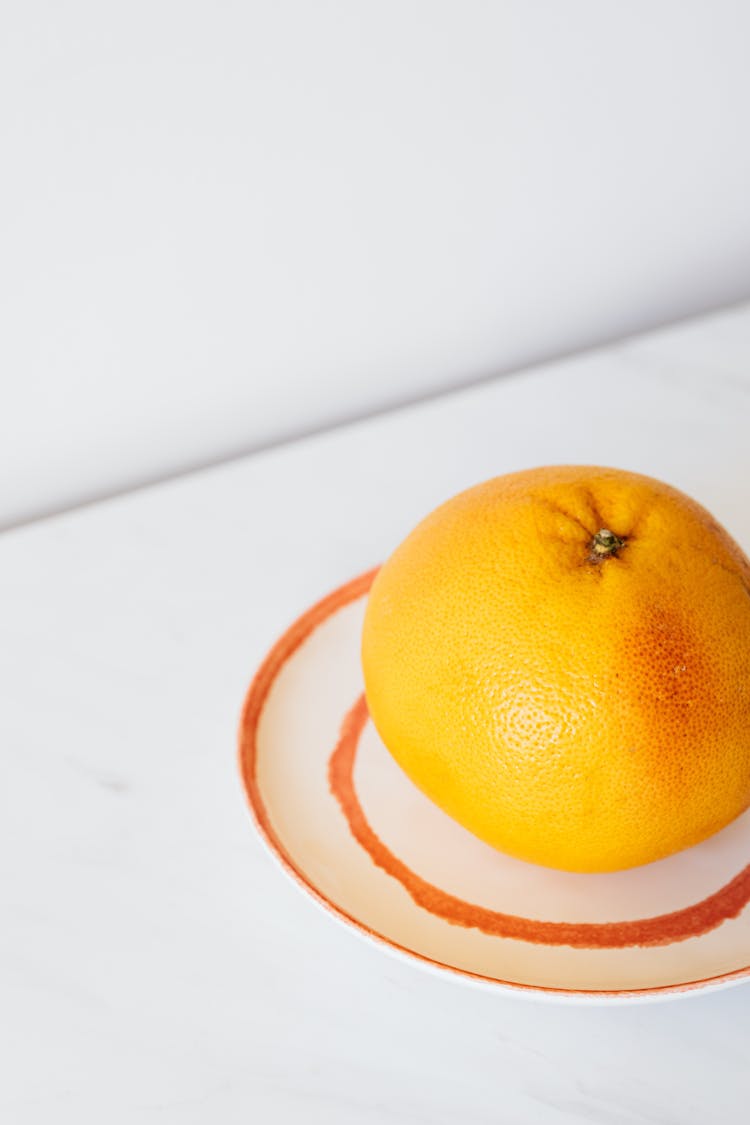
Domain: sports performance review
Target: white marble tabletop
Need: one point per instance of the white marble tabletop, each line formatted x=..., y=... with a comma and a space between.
x=156, y=965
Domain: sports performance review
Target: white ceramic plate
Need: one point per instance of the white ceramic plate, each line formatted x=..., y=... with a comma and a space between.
x=351, y=828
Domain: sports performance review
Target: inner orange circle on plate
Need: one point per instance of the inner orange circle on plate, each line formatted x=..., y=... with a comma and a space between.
x=663, y=929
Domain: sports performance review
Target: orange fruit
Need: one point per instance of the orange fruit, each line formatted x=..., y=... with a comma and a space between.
x=560, y=659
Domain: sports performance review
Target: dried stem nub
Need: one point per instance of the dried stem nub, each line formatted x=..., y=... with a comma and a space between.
x=605, y=543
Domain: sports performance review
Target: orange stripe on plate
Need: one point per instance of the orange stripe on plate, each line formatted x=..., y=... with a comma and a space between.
x=663, y=929
x=725, y=903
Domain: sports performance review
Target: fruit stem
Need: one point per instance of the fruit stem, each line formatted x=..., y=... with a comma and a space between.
x=606, y=543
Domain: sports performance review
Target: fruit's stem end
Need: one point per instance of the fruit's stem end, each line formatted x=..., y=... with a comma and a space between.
x=605, y=543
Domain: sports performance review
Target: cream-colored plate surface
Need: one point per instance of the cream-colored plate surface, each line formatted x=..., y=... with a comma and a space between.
x=385, y=860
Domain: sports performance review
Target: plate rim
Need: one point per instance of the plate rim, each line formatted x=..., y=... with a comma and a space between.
x=255, y=697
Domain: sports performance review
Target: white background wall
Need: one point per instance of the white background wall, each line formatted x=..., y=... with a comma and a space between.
x=226, y=223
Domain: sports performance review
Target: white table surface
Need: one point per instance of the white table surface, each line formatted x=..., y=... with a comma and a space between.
x=156, y=965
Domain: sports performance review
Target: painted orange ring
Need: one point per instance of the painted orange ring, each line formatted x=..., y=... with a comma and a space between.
x=255, y=699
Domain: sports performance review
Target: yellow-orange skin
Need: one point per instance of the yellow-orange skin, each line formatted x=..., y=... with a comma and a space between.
x=586, y=715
